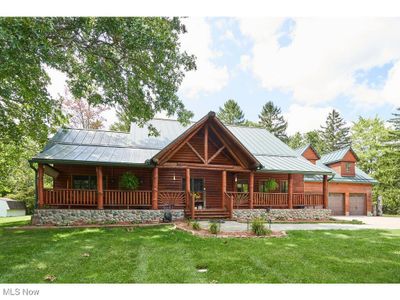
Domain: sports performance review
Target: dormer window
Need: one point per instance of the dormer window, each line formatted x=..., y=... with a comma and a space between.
x=348, y=167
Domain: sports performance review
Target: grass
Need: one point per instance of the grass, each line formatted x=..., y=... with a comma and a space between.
x=162, y=254
x=14, y=221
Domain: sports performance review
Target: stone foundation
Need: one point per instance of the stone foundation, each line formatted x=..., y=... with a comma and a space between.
x=282, y=214
x=67, y=217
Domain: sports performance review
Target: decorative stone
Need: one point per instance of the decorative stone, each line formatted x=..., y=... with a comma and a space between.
x=107, y=216
x=282, y=214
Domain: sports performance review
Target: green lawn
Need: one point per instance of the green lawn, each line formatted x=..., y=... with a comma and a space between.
x=162, y=254
x=14, y=221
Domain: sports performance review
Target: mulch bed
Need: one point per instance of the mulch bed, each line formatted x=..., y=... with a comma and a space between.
x=118, y=225
x=226, y=234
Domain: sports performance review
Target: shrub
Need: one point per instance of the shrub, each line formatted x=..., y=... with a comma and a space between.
x=196, y=225
x=214, y=228
x=258, y=227
x=129, y=181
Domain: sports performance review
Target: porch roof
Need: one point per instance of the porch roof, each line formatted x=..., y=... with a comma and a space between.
x=138, y=148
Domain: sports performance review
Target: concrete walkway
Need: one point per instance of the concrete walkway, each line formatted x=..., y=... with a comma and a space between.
x=370, y=223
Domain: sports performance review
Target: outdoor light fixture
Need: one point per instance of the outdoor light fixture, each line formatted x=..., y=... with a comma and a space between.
x=174, y=178
x=235, y=178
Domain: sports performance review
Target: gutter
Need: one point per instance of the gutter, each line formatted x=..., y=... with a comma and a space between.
x=36, y=183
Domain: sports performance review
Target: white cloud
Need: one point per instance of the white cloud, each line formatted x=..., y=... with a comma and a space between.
x=305, y=118
x=319, y=64
x=245, y=61
x=208, y=77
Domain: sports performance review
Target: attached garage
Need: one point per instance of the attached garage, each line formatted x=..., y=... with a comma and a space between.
x=336, y=204
x=357, y=205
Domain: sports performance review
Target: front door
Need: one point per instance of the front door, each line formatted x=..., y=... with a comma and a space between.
x=197, y=187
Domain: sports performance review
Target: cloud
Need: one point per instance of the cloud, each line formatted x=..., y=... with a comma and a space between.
x=305, y=118
x=209, y=77
x=320, y=62
x=245, y=61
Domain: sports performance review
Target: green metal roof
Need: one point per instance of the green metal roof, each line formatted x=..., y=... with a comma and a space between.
x=136, y=147
x=360, y=177
x=335, y=156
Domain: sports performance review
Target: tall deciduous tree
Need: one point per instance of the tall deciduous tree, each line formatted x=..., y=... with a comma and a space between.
x=296, y=140
x=135, y=63
x=271, y=119
x=313, y=137
x=231, y=113
x=335, y=133
x=82, y=114
x=367, y=137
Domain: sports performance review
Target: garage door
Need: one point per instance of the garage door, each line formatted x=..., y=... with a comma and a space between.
x=336, y=204
x=357, y=204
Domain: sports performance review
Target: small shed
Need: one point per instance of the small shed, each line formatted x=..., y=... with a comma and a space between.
x=12, y=208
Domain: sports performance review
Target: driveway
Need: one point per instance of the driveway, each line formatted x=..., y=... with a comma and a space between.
x=370, y=223
x=375, y=222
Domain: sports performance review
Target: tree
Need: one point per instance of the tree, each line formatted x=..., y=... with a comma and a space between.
x=81, y=113
x=367, y=137
x=335, y=134
x=231, y=113
x=135, y=63
x=123, y=123
x=313, y=137
x=295, y=141
x=388, y=171
x=249, y=123
x=272, y=120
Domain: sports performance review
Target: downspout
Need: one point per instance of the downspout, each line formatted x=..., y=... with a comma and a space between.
x=333, y=176
x=36, y=184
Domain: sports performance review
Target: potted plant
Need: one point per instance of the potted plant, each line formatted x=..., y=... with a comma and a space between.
x=129, y=181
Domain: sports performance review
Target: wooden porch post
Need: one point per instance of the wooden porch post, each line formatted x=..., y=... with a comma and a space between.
x=251, y=190
x=290, y=191
x=325, y=190
x=154, y=195
x=223, y=187
x=346, y=204
x=99, y=173
x=187, y=188
x=40, y=185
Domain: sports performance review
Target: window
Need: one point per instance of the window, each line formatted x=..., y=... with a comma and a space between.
x=196, y=184
x=86, y=182
x=242, y=186
x=283, y=186
x=348, y=167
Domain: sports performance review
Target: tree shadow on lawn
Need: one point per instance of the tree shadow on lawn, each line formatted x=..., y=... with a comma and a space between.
x=161, y=254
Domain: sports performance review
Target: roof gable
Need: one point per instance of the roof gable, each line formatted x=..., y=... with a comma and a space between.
x=229, y=146
x=308, y=151
x=338, y=155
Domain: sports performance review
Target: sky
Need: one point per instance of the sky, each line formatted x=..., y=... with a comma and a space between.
x=306, y=66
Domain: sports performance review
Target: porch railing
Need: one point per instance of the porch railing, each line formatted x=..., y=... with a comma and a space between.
x=69, y=197
x=176, y=199
x=228, y=203
x=270, y=199
x=308, y=199
x=127, y=198
x=240, y=199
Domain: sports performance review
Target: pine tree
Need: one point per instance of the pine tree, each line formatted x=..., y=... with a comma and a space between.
x=335, y=134
x=271, y=119
x=231, y=113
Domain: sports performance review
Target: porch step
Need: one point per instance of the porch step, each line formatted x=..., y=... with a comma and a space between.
x=213, y=213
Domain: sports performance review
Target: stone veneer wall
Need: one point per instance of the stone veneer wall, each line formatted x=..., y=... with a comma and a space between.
x=105, y=216
x=282, y=214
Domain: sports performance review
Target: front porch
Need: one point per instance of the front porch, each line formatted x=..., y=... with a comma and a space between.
x=196, y=191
